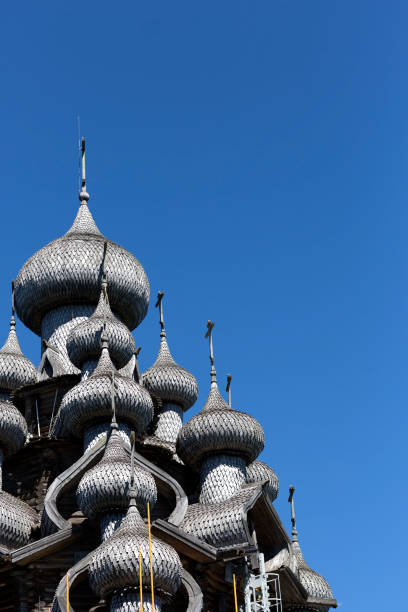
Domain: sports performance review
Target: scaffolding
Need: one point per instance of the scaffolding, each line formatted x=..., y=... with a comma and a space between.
x=262, y=591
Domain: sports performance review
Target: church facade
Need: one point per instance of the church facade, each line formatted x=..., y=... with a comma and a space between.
x=111, y=497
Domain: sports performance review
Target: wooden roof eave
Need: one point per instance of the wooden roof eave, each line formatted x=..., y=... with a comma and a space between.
x=268, y=526
x=41, y=548
x=21, y=393
x=184, y=543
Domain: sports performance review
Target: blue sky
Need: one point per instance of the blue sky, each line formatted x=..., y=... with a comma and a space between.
x=254, y=157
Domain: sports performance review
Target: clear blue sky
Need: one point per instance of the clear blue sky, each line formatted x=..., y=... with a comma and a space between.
x=254, y=157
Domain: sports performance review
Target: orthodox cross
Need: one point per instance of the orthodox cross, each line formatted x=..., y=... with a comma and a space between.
x=292, y=511
x=210, y=327
x=137, y=351
x=159, y=305
x=83, y=194
x=228, y=388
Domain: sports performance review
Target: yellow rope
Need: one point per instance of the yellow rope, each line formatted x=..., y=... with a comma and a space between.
x=235, y=593
x=150, y=554
x=140, y=580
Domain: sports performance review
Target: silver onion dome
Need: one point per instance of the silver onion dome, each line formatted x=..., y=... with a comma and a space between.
x=315, y=585
x=115, y=564
x=166, y=380
x=13, y=427
x=218, y=429
x=17, y=520
x=257, y=471
x=84, y=341
x=105, y=487
x=89, y=401
x=15, y=369
x=67, y=271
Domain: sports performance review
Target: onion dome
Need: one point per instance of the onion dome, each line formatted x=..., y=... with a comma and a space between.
x=84, y=341
x=257, y=471
x=15, y=369
x=166, y=380
x=218, y=429
x=315, y=585
x=67, y=271
x=17, y=520
x=89, y=401
x=115, y=564
x=13, y=427
x=105, y=487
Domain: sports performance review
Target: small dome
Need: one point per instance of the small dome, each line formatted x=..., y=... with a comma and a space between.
x=90, y=400
x=17, y=520
x=315, y=585
x=257, y=471
x=84, y=341
x=219, y=429
x=105, y=487
x=106, y=576
x=15, y=369
x=13, y=427
x=68, y=271
x=168, y=381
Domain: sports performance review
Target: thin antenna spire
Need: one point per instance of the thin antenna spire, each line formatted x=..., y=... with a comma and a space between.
x=105, y=250
x=159, y=304
x=114, y=424
x=132, y=460
x=210, y=327
x=83, y=195
x=228, y=389
x=292, y=512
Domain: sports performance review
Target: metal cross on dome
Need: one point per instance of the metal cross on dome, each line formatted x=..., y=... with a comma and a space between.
x=159, y=305
x=292, y=512
x=210, y=327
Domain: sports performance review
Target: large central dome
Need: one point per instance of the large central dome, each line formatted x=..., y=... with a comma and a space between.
x=68, y=271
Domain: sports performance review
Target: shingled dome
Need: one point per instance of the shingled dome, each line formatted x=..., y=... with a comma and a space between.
x=89, y=402
x=15, y=369
x=68, y=271
x=17, y=520
x=315, y=585
x=84, y=341
x=13, y=427
x=105, y=487
x=106, y=576
x=257, y=471
x=219, y=429
x=168, y=381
